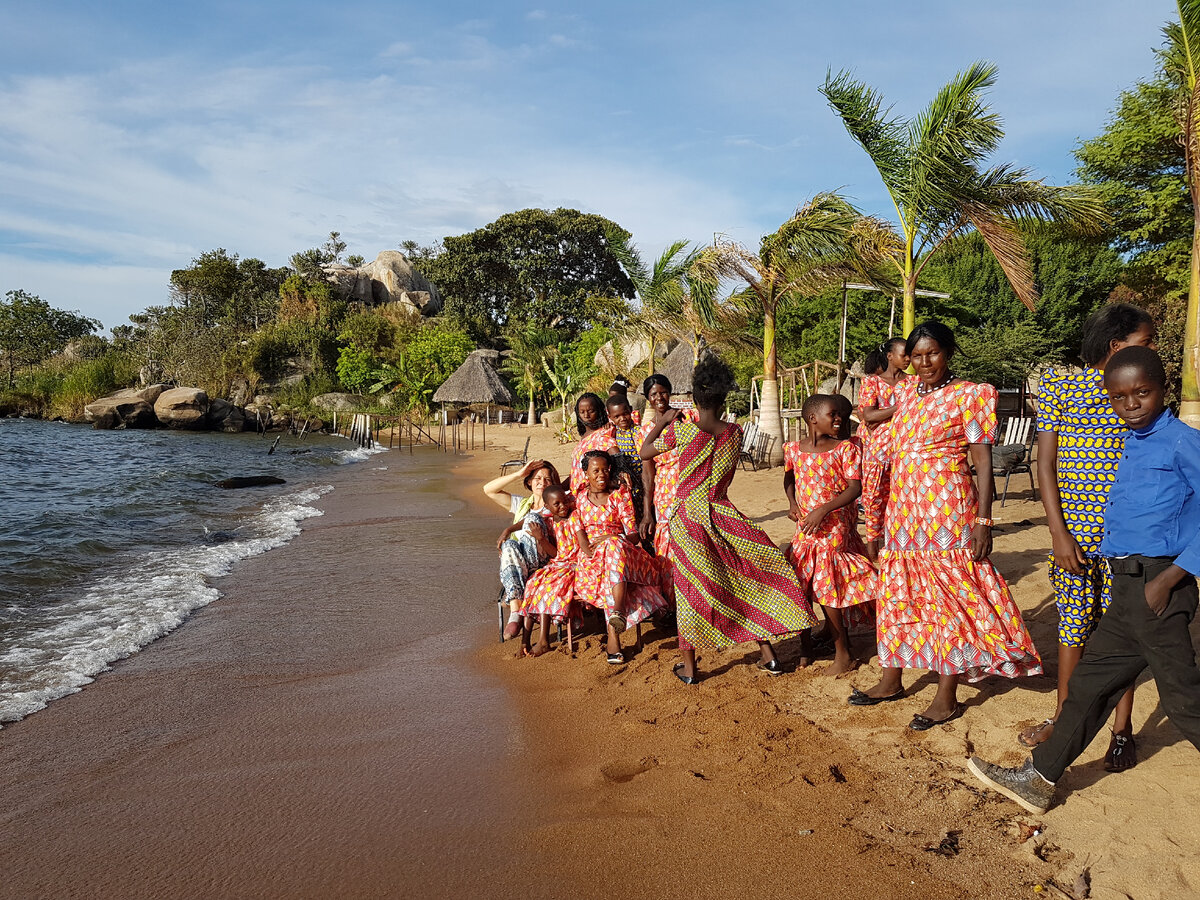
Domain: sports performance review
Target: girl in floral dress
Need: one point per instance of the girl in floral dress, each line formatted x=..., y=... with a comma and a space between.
x=595, y=433
x=941, y=603
x=732, y=584
x=1080, y=440
x=613, y=574
x=549, y=591
x=822, y=480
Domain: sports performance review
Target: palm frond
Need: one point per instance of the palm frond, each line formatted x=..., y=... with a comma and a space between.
x=883, y=136
x=620, y=245
x=1004, y=240
x=1012, y=191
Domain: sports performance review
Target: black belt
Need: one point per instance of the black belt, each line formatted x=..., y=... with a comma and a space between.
x=1137, y=564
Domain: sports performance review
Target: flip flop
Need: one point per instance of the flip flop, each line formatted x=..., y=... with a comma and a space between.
x=924, y=723
x=686, y=679
x=774, y=667
x=616, y=659
x=858, y=698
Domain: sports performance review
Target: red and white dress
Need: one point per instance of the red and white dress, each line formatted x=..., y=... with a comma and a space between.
x=600, y=439
x=938, y=608
x=550, y=589
x=615, y=560
x=831, y=564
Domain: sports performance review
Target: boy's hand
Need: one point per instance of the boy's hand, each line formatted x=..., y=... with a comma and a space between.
x=646, y=529
x=1158, y=588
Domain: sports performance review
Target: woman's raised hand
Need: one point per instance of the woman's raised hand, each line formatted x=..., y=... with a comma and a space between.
x=532, y=466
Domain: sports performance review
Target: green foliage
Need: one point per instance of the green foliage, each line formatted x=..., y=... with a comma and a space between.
x=356, y=368
x=1137, y=164
x=1003, y=355
x=529, y=349
x=582, y=351
x=355, y=260
x=371, y=332
x=31, y=330
x=532, y=266
x=220, y=289
x=438, y=350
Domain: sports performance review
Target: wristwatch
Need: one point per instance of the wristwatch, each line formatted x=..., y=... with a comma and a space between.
x=981, y=520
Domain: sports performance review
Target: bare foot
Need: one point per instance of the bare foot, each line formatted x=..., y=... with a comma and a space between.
x=523, y=652
x=841, y=665
x=1037, y=734
x=540, y=648
x=1122, y=753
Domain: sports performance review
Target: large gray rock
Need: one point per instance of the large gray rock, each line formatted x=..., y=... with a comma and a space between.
x=239, y=391
x=389, y=278
x=339, y=402
x=259, y=412
x=120, y=412
x=182, y=407
x=224, y=416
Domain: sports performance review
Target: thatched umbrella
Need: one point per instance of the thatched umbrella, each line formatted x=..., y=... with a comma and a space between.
x=475, y=381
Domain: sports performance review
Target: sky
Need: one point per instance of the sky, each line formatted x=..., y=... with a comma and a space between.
x=135, y=136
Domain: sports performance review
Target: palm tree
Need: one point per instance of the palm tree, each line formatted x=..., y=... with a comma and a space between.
x=529, y=348
x=933, y=167
x=1182, y=63
x=826, y=242
x=660, y=289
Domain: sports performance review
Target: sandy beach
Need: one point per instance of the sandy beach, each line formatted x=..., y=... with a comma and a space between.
x=343, y=722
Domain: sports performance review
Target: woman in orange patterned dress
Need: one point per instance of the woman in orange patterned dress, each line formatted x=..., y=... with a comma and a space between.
x=595, y=433
x=941, y=603
x=613, y=574
x=660, y=480
x=822, y=479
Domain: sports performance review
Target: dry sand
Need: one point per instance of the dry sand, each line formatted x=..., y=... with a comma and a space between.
x=748, y=783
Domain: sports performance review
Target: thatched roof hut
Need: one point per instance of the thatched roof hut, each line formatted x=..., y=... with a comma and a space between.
x=678, y=368
x=475, y=381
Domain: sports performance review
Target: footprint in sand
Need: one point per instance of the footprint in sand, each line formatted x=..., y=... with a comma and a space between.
x=626, y=770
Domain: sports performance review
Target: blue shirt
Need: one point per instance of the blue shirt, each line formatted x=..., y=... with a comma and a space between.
x=1153, y=507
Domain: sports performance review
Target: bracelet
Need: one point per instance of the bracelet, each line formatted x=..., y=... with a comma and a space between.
x=980, y=520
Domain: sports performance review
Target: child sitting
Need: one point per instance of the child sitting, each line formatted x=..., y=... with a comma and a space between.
x=1152, y=543
x=548, y=593
x=822, y=479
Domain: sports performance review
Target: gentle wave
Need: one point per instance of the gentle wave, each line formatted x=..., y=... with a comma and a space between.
x=66, y=644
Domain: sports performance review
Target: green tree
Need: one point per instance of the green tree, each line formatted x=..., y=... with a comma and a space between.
x=31, y=330
x=933, y=169
x=1181, y=63
x=533, y=265
x=438, y=350
x=529, y=349
x=356, y=368
x=355, y=260
x=219, y=289
x=826, y=242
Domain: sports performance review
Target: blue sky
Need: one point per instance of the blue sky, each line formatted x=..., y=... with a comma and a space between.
x=135, y=136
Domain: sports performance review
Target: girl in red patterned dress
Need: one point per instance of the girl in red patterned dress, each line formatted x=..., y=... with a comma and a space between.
x=822, y=479
x=876, y=400
x=595, y=433
x=548, y=592
x=660, y=479
x=941, y=603
x=614, y=575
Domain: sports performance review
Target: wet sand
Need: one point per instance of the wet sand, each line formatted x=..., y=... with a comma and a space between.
x=317, y=732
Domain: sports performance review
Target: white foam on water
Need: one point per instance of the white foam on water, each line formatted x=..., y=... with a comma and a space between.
x=358, y=454
x=116, y=615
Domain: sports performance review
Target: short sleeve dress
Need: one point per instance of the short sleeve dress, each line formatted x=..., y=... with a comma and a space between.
x=938, y=608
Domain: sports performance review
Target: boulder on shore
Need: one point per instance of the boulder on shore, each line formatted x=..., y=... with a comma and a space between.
x=389, y=278
x=120, y=412
x=225, y=416
x=182, y=407
x=339, y=402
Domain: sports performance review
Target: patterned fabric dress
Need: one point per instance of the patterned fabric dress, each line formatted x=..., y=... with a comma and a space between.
x=550, y=590
x=1090, y=440
x=938, y=609
x=615, y=560
x=732, y=583
x=630, y=444
x=831, y=564
x=875, y=394
x=600, y=439
x=520, y=558
x=666, y=482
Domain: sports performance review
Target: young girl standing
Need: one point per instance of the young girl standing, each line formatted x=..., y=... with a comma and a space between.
x=822, y=480
x=732, y=584
x=614, y=575
x=1080, y=440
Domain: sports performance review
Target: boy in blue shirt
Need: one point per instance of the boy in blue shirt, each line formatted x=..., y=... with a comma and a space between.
x=1152, y=542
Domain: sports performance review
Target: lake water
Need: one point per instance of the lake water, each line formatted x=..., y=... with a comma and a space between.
x=109, y=539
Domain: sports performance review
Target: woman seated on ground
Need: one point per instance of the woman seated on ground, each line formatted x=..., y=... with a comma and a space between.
x=520, y=556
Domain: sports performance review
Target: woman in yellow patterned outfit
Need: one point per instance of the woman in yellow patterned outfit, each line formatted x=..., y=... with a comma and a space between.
x=1080, y=440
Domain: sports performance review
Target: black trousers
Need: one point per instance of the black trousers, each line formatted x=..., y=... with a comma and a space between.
x=1129, y=638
